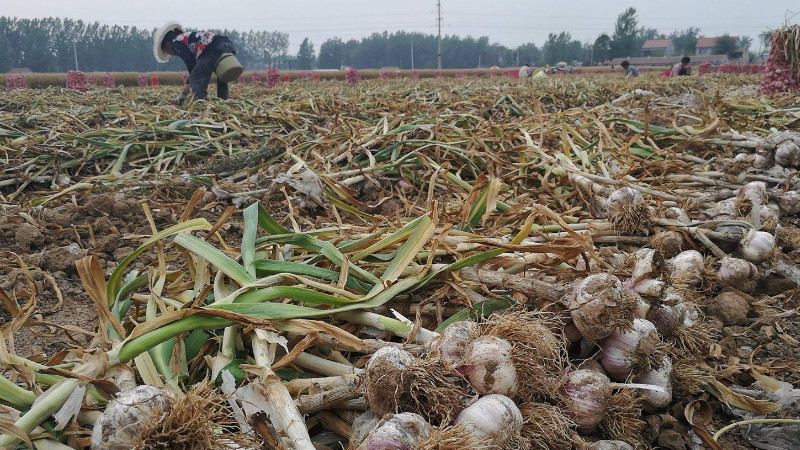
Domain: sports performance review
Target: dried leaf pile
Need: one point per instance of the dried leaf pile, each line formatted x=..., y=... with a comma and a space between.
x=248, y=257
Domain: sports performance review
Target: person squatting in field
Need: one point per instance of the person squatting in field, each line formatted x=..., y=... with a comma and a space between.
x=200, y=51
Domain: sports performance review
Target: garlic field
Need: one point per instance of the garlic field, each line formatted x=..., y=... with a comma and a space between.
x=586, y=261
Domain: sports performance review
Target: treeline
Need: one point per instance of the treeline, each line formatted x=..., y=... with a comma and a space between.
x=50, y=45
x=46, y=45
x=394, y=49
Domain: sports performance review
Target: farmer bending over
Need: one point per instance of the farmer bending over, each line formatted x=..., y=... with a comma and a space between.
x=682, y=69
x=630, y=71
x=201, y=52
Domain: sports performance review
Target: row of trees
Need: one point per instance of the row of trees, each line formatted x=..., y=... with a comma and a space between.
x=394, y=49
x=50, y=45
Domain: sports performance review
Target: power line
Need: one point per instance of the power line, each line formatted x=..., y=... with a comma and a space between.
x=439, y=37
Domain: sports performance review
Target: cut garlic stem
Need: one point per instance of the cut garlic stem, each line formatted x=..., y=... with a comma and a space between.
x=649, y=387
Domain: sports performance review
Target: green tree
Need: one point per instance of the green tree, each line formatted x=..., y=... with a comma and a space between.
x=305, y=56
x=626, y=32
x=561, y=47
x=331, y=54
x=726, y=45
x=602, y=48
x=685, y=41
x=745, y=42
x=528, y=54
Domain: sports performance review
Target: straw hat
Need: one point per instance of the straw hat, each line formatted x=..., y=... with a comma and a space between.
x=158, y=36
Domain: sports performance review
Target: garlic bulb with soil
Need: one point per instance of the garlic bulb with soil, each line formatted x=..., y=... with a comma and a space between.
x=757, y=246
x=687, y=268
x=399, y=432
x=382, y=375
x=124, y=419
x=598, y=306
x=454, y=342
x=659, y=377
x=587, y=398
x=736, y=272
x=491, y=421
x=790, y=202
x=627, y=210
x=489, y=367
x=639, y=348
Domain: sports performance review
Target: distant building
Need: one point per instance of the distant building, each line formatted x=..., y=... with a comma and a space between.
x=20, y=70
x=706, y=45
x=658, y=47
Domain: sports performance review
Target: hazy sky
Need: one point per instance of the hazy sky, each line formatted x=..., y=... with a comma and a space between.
x=509, y=22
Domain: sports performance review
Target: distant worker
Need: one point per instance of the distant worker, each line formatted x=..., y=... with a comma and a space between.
x=526, y=71
x=682, y=68
x=630, y=71
x=204, y=53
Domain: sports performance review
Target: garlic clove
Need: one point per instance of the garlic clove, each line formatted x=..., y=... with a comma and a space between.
x=790, y=202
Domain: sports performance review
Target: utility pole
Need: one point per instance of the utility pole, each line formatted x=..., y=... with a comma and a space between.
x=479, y=60
x=412, y=55
x=517, y=56
x=439, y=38
x=75, y=51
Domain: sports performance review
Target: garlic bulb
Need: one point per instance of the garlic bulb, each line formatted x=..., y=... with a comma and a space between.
x=787, y=154
x=763, y=161
x=587, y=393
x=725, y=209
x=659, y=377
x=754, y=191
x=454, y=342
x=126, y=416
x=627, y=209
x=642, y=307
x=492, y=420
x=677, y=214
x=668, y=318
x=790, y=202
x=736, y=272
x=623, y=351
x=489, y=368
x=687, y=268
x=668, y=243
x=400, y=432
x=382, y=375
x=757, y=246
x=597, y=306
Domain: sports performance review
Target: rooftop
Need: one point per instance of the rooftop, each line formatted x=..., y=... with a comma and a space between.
x=708, y=42
x=651, y=44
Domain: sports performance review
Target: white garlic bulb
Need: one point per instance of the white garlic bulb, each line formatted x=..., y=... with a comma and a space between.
x=736, y=272
x=400, y=432
x=757, y=246
x=687, y=268
x=126, y=416
x=492, y=420
x=661, y=377
x=624, y=350
x=489, y=368
x=454, y=342
x=587, y=393
x=597, y=306
x=382, y=376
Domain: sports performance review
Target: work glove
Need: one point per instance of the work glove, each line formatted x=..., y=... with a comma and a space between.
x=180, y=99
